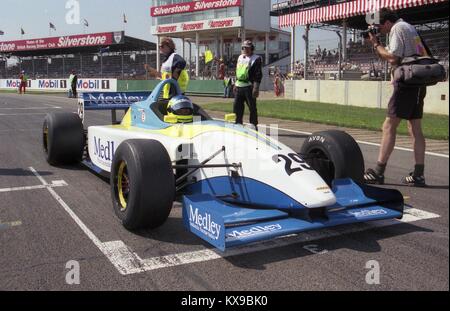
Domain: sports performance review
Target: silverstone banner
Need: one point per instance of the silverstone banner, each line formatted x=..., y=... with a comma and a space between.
x=62, y=85
x=195, y=6
x=198, y=25
x=105, y=38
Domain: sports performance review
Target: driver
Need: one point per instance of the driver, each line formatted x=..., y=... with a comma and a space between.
x=181, y=107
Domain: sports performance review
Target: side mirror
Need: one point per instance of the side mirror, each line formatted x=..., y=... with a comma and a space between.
x=171, y=119
x=231, y=117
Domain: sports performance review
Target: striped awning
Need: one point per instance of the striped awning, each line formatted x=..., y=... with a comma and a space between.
x=345, y=10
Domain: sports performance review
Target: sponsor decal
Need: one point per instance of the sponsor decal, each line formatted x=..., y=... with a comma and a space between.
x=194, y=26
x=367, y=213
x=143, y=116
x=7, y=47
x=221, y=23
x=118, y=37
x=200, y=5
x=163, y=29
x=104, y=150
x=198, y=25
x=204, y=223
x=105, y=38
x=256, y=230
x=316, y=138
x=117, y=99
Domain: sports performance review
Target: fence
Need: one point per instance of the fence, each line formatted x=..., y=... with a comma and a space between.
x=359, y=62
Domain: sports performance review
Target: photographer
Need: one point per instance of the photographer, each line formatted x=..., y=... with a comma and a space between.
x=406, y=102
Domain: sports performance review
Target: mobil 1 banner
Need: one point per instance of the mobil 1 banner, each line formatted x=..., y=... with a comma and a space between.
x=55, y=85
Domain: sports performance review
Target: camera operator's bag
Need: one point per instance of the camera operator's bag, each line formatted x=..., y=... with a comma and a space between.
x=420, y=71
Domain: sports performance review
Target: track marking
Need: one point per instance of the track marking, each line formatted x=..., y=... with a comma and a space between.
x=7, y=225
x=22, y=114
x=128, y=262
x=441, y=155
x=30, y=108
x=55, y=183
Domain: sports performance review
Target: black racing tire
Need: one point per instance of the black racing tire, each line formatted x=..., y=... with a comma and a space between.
x=334, y=154
x=63, y=138
x=142, y=184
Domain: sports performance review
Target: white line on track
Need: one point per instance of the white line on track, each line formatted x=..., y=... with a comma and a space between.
x=56, y=183
x=441, y=155
x=22, y=114
x=30, y=108
x=371, y=144
x=128, y=262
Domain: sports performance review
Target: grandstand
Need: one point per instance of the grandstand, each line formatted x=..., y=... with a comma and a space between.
x=119, y=56
x=356, y=58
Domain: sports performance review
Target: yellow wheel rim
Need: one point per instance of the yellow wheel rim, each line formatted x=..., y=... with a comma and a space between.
x=123, y=187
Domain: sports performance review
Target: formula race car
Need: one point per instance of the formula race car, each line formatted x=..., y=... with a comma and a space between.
x=236, y=184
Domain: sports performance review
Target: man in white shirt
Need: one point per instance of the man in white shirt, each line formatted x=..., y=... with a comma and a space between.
x=405, y=103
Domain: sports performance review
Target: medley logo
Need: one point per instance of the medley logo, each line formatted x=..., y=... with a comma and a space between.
x=104, y=150
x=117, y=99
x=256, y=230
x=204, y=223
x=367, y=213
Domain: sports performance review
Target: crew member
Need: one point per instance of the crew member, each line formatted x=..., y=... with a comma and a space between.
x=174, y=66
x=248, y=79
x=23, y=82
x=73, y=79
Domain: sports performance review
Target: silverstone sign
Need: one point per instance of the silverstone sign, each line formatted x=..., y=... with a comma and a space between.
x=198, y=25
x=62, y=85
x=105, y=38
x=195, y=6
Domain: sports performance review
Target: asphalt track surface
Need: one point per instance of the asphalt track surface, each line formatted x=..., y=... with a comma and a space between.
x=50, y=216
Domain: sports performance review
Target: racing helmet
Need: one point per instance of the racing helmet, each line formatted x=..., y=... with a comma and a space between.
x=181, y=107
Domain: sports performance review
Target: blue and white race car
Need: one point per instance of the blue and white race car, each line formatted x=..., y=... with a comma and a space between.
x=237, y=185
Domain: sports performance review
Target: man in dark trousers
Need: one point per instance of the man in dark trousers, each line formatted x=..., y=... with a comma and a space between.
x=248, y=79
x=73, y=80
x=405, y=103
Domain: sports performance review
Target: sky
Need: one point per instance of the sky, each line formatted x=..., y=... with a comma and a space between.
x=103, y=15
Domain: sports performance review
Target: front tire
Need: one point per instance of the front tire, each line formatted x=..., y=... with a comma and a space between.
x=142, y=184
x=334, y=154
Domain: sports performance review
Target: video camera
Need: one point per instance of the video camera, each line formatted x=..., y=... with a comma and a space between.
x=374, y=30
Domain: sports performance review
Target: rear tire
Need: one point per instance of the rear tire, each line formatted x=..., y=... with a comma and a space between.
x=334, y=155
x=142, y=184
x=63, y=138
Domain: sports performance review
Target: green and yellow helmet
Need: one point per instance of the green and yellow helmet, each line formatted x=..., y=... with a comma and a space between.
x=181, y=107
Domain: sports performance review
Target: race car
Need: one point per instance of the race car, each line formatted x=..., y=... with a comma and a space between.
x=236, y=185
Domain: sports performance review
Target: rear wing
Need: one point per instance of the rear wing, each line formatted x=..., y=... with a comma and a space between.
x=112, y=101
